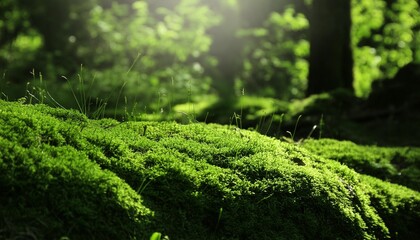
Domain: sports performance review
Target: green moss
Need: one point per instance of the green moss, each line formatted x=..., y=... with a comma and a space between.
x=66, y=175
x=51, y=186
x=395, y=164
x=256, y=108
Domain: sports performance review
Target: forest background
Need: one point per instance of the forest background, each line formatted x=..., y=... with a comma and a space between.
x=150, y=56
x=307, y=73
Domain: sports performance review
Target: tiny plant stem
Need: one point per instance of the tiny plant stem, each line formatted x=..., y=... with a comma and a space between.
x=240, y=118
x=312, y=131
x=74, y=94
x=143, y=186
x=205, y=119
x=100, y=111
x=33, y=78
x=82, y=92
x=58, y=104
x=32, y=96
x=294, y=131
x=160, y=101
x=27, y=91
x=134, y=62
x=118, y=98
x=90, y=98
x=280, y=125
x=265, y=198
x=5, y=96
x=321, y=125
x=243, y=94
x=126, y=114
x=171, y=96
x=261, y=123
x=40, y=90
x=40, y=78
x=219, y=218
x=269, y=125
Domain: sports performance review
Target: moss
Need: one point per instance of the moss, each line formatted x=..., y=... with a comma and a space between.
x=50, y=186
x=66, y=175
x=395, y=164
x=398, y=208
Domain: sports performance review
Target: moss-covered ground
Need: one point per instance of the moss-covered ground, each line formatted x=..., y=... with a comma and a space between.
x=63, y=175
x=337, y=114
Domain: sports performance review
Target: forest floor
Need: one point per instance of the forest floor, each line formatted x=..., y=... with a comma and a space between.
x=67, y=176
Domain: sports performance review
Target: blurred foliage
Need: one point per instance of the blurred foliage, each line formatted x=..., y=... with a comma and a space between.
x=134, y=49
x=275, y=63
x=385, y=38
x=153, y=56
x=161, y=53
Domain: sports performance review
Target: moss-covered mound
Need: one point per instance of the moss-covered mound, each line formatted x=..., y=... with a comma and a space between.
x=65, y=175
x=395, y=164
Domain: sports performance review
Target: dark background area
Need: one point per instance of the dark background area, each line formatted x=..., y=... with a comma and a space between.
x=349, y=67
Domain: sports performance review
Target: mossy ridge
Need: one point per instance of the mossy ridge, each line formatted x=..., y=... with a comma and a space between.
x=395, y=164
x=253, y=165
x=240, y=185
x=398, y=207
x=50, y=188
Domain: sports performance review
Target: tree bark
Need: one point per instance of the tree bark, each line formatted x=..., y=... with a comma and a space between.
x=331, y=55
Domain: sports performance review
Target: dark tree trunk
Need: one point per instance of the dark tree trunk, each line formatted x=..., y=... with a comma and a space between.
x=226, y=48
x=331, y=57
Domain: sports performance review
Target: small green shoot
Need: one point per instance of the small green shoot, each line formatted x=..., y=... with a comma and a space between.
x=238, y=120
x=312, y=131
x=278, y=132
x=219, y=218
x=143, y=186
x=321, y=125
x=292, y=135
x=269, y=125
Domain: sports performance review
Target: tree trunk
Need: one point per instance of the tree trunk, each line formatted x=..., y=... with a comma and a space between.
x=331, y=56
x=226, y=48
